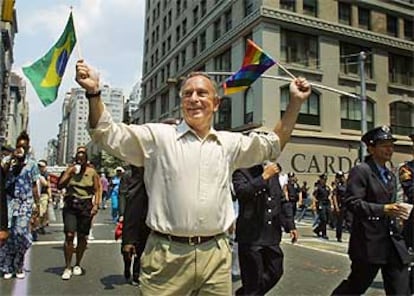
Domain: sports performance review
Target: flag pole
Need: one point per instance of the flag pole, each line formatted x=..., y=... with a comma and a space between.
x=286, y=71
x=78, y=48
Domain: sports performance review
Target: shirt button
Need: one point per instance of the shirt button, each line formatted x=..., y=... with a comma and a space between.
x=269, y=222
x=269, y=198
x=269, y=210
x=391, y=233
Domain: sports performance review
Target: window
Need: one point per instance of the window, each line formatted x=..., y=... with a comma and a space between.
x=309, y=112
x=364, y=18
x=408, y=30
x=402, y=118
x=222, y=62
x=228, y=20
x=178, y=7
x=195, y=48
x=248, y=106
x=184, y=27
x=152, y=110
x=177, y=34
x=310, y=7
x=344, y=13
x=217, y=29
x=183, y=58
x=298, y=48
x=248, y=7
x=164, y=103
x=203, y=6
x=164, y=24
x=203, y=41
x=351, y=113
x=224, y=114
x=195, y=15
x=400, y=69
x=177, y=63
x=349, y=59
x=288, y=4
x=392, y=25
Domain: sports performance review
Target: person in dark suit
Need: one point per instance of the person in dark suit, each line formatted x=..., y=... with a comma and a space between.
x=406, y=176
x=258, y=227
x=135, y=232
x=375, y=241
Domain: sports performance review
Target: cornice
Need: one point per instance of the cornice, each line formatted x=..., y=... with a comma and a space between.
x=284, y=16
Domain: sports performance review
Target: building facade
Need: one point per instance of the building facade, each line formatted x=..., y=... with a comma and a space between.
x=318, y=39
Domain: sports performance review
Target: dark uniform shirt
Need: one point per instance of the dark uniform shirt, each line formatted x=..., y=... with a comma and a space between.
x=321, y=194
x=339, y=192
x=406, y=174
x=261, y=212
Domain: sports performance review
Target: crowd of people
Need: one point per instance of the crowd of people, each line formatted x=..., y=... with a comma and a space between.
x=175, y=201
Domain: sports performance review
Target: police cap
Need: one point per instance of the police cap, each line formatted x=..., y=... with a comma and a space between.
x=323, y=176
x=339, y=174
x=291, y=174
x=381, y=133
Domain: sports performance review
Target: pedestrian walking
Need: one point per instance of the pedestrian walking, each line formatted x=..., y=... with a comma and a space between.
x=293, y=192
x=45, y=196
x=4, y=233
x=105, y=188
x=305, y=202
x=188, y=171
x=259, y=227
x=22, y=196
x=375, y=240
x=406, y=176
x=114, y=193
x=133, y=212
x=322, y=201
x=338, y=200
x=81, y=204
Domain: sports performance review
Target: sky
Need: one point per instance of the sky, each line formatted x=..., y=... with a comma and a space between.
x=110, y=38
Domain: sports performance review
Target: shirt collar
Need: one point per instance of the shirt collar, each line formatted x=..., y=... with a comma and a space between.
x=183, y=128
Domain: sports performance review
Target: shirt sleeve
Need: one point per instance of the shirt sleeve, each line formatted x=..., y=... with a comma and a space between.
x=131, y=143
x=255, y=149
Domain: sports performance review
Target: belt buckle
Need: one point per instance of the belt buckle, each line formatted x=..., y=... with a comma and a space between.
x=194, y=240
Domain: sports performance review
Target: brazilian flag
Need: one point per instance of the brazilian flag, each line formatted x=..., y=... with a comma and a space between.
x=46, y=73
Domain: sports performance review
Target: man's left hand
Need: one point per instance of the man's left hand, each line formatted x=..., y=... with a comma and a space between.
x=300, y=89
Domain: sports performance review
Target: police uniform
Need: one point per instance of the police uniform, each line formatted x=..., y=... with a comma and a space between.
x=258, y=229
x=293, y=191
x=339, y=195
x=375, y=241
x=406, y=175
x=323, y=205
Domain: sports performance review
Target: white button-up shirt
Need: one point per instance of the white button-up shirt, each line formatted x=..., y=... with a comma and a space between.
x=187, y=178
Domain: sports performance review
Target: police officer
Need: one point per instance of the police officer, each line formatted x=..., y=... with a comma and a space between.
x=321, y=195
x=293, y=192
x=375, y=242
x=258, y=227
x=338, y=199
x=406, y=174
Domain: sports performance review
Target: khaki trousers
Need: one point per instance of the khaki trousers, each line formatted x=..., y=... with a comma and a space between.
x=178, y=269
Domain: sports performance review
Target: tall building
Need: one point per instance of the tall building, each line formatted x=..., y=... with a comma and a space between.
x=8, y=28
x=318, y=39
x=131, y=105
x=73, y=128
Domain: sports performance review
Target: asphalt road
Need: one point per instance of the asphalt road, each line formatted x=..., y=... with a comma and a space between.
x=312, y=266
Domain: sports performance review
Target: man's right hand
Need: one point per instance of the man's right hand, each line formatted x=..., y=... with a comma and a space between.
x=270, y=170
x=86, y=77
x=392, y=210
x=4, y=234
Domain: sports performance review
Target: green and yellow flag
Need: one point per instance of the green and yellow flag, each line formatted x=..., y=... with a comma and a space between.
x=46, y=73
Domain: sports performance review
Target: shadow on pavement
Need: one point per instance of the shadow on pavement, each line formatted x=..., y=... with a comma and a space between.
x=110, y=281
x=55, y=270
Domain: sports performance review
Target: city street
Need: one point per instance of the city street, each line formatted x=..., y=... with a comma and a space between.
x=312, y=267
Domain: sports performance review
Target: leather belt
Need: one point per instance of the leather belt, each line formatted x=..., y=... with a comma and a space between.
x=189, y=240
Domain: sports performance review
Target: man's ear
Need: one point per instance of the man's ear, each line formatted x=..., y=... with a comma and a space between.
x=217, y=101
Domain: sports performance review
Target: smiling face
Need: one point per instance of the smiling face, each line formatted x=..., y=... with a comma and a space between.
x=81, y=158
x=382, y=151
x=199, y=101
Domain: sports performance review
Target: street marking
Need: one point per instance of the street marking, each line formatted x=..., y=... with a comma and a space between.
x=94, y=224
x=287, y=241
x=20, y=285
x=93, y=242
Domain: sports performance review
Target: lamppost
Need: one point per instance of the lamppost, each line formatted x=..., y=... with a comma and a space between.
x=363, y=98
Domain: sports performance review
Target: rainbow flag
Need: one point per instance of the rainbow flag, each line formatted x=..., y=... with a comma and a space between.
x=255, y=62
x=46, y=73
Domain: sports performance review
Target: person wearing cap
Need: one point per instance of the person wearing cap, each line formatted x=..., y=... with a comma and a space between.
x=262, y=215
x=188, y=171
x=81, y=204
x=293, y=192
x=375, y=240
x=406, y=177
x=338, y=200
x=45, y=195
x=322, y=204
